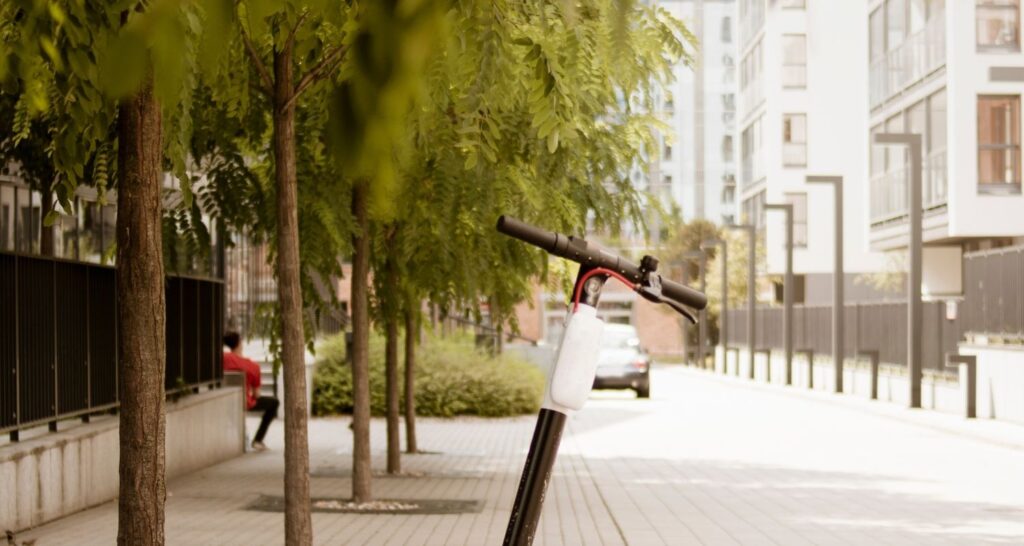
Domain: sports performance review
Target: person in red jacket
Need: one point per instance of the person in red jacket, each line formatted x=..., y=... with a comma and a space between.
x=235, y=362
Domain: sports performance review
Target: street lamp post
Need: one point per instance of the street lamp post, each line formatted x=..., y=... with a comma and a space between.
x=701, y=258
x=723, y=329
x=787, y=291
x=838, y=278
x=751, y=301
x=914, y=311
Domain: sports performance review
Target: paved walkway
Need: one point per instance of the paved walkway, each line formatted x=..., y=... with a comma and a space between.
x=708, y=460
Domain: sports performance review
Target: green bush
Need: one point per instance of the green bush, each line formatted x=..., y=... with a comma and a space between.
x=452, y=378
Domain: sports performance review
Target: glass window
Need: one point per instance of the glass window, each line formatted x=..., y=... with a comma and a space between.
x=896, y=156
x=668, y=152
x=896, y=19
x=998, y=142
x=877, y=151
x=794, y=140
x=727, y=148
x=727, y=29
x=998, y=24
x=937, y=122
x=799, y=202
x=876, y=27
x=794, y=60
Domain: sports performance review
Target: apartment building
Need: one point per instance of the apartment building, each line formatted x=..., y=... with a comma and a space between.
x=803, y=91
x=697, y=166
x=952, y=71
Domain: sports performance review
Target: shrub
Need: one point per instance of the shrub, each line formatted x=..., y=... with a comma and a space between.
x=452, y=378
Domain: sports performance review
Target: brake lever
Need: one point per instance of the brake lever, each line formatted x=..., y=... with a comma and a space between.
x=652, y=294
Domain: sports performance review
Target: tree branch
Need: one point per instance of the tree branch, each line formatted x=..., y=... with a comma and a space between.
x=328, y=63
x=295, y=29
x=268, y=83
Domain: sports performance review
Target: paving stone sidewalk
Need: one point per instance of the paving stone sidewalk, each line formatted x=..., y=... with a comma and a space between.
x=708, y=460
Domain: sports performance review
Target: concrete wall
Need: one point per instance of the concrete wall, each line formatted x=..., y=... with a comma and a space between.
x=1000, y=381
x=939, y=392
x=57, y=474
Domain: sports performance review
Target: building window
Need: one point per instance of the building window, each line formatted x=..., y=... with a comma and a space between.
x=729, y=102
x=750, y=152
x=667, y=181
x=668, y=152
x=998, y=144
x=727, y=148
x=669, y=104
x=794, y=61
x=799, y=4
x=799, y=202
x=753, y=209
x=794, y=140
x=727, y=30
x=998, y=24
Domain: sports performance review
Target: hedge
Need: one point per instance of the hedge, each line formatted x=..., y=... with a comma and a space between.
x=452, y=378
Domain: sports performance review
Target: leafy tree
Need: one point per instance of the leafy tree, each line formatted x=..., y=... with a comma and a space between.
x=84, y=76
x=277, y=54
x=528, y=110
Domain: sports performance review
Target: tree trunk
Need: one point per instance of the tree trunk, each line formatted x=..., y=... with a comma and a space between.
x=411, y=338
x=391, y=394
x=298, y=527
x=361, y=471
x=140, y=321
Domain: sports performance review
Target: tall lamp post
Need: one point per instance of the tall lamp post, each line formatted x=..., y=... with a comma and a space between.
x=702, y=324
x=838, y=278
x=914, y=312
x=787, y=290
x=751, y=301
x=723, y=329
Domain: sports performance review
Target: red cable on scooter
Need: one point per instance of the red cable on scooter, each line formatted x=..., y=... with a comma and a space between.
x=598, y=271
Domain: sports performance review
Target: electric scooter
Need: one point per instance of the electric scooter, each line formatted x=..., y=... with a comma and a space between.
x=572, y=376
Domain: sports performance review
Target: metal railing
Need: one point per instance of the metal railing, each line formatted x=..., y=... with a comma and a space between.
x=889, y=188
x=868, y=326
x=994, y=292
x=920, y=54
x=58, y=338
x=992, y=306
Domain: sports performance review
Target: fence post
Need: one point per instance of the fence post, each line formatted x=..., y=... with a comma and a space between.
x=17, y=334
x=954, y=360
x=872, y=356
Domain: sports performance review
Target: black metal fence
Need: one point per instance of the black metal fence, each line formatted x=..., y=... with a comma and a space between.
x=58, y=338
x=992, y=305
x=879, y=327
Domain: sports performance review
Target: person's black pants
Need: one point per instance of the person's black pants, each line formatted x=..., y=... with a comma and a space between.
x=268, y=405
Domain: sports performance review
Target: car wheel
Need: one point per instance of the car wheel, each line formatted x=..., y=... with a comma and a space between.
x=643, y=391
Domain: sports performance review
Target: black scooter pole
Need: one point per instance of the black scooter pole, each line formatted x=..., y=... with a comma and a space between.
x=522, y=524
x=547, y=435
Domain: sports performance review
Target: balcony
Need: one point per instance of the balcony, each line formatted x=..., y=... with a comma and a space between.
x=889, y=189
x=751, y=20
x=918, y=56
x=753, y=169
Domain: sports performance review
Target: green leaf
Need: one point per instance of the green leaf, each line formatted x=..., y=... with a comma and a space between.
x=51, y=218
x=124, y=63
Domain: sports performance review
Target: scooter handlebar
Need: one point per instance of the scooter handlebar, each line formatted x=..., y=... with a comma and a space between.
x=584, y=253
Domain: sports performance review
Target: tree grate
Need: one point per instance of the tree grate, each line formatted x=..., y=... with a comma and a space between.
x=335, y=505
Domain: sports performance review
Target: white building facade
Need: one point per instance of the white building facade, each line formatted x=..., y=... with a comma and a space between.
x=697, y=166
x=803, y=88
x=952, y=71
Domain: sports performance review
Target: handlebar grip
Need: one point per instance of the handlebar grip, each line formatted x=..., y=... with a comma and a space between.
x=527, y=233
x=683, y=294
